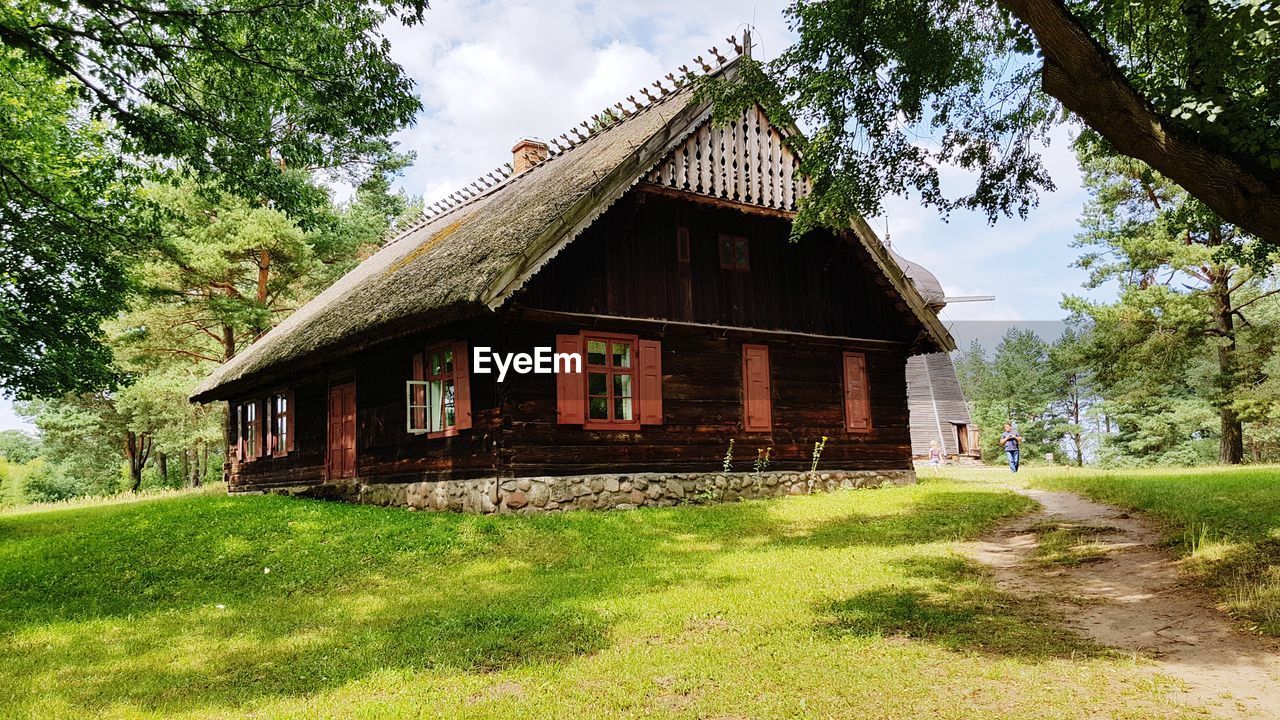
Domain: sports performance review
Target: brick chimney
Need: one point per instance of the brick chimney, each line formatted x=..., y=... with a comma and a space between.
x=528, y=152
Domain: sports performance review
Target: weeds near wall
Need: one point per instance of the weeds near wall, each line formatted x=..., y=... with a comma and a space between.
x=818, y=447
x=762, y=460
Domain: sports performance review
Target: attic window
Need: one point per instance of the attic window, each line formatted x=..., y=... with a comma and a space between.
x=734, y=253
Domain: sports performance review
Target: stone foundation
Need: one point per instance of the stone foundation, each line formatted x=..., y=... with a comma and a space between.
x=601, y=492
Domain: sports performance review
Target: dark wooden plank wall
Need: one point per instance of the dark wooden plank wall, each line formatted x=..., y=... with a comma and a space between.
x=702, y=407
x=385, y=452
x=626, y=265
x=306, y=463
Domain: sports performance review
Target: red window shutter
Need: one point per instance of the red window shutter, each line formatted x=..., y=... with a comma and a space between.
x=857, y=400
x=333, y=443
x=571, y=389
x=757, y=403
x=270, y=448
x=349, y=430
x=293, y=412
x=419, y=392
x=650, y=390
x=461, y=386
x=261, y=417
x=238, y=420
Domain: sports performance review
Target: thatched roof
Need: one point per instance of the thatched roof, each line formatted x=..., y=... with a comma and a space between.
x=477, y=253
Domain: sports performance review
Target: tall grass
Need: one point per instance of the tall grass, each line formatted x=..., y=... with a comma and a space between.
x=124, y=498
x=1225, y=522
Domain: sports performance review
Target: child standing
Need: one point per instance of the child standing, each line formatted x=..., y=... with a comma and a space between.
x=935, y=456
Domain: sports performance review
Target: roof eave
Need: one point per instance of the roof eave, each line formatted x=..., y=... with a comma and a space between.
x=919, y=306
x=228, y=388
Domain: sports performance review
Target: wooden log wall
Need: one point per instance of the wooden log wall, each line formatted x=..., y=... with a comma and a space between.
x=385, y=451
x=744, y=161
x=305, y=464
x=702, y=404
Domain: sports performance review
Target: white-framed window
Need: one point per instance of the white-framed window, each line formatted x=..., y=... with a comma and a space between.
x=437, y=398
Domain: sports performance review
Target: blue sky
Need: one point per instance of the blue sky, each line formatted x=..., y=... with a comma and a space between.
x=491, y=72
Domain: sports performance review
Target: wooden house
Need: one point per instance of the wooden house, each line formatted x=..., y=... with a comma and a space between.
x=654, y=246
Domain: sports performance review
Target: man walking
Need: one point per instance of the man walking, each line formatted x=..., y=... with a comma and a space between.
x=1012, y=443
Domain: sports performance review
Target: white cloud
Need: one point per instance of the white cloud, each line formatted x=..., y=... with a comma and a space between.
x=489, y=73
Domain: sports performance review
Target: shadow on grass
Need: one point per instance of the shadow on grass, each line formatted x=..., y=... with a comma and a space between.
x=220, y=602
x=956, y=606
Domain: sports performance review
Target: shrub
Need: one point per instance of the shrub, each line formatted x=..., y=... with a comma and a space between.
x=45, y=483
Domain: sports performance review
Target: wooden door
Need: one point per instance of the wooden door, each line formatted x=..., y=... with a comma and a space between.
x=342, y=431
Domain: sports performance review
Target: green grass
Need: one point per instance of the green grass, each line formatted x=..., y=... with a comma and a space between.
x=845, y=605
x=1226, y=522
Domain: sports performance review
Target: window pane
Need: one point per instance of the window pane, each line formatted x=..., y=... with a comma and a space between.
x=435, y=404
x=448, y=360
x=450, y=415
x=742, y=253
x=621, y=354
x=279, y=423
x=596, y=350
x=622, y=386
x=597, y=384
x=622, y=408
x=726, y=250
x=598, y=408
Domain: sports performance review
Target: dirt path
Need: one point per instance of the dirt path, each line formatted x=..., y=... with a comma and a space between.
x=1130, y=597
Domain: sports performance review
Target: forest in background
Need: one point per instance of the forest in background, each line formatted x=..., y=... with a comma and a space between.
x=224, y=272
x=167, y=195
x=1180, y=368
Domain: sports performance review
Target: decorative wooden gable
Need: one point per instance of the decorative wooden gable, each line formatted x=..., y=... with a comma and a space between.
x=743, y=161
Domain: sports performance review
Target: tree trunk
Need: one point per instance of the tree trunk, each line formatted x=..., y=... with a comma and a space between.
x=1077, y=437
x=137, y=448
x=184, y=465
x=192, y=476
x=162, y=466
x=1081, y=74
x=1231, y=434
x=264, y=278
x=198, y=479
x=228, y=343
